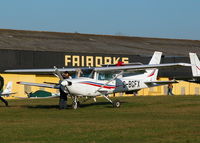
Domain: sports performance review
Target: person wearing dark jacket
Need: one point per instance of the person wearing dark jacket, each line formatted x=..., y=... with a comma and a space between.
x=64, y=92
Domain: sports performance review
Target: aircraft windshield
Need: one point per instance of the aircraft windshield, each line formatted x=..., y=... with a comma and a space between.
x=106, y=75
x=82, y=73
x=86, y=73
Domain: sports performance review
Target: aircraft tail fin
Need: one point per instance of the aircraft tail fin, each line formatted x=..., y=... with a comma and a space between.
x=152, y=74
x=8, y=88
x=195, y=64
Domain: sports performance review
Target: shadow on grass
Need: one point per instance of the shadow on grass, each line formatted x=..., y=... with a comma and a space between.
x=105, y=104
x=3, y=106
x=42, y=106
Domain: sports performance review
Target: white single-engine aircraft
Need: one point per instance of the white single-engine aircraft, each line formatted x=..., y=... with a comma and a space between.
x=106, y=80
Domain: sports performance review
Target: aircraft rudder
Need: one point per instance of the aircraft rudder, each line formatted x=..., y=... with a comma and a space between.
x=194, y=60
x=153, y=73
x=156, y=58
x=8, y=88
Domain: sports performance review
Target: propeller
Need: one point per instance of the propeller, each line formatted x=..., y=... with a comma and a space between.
x=64, y=83
x=58, y=74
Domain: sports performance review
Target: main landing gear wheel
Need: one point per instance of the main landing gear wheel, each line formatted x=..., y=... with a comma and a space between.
x=74, y=105
x=116, y=103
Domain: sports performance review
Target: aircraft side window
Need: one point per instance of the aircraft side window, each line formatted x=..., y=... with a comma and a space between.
x=109, y=76
x=101, y=76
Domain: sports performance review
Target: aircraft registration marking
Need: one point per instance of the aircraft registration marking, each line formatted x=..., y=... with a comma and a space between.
x=131, y=83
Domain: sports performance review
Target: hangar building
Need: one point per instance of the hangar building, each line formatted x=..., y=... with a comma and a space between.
x=37, y=49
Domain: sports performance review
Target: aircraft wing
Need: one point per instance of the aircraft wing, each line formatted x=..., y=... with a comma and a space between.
x=7, y=94
x=36, y=97
x=52, y=70
x=126, y=67
x=142, y=67
x=51, y=83
x=39, y=84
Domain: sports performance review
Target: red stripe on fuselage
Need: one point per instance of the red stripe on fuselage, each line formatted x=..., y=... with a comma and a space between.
x=198, y=67
x=108, y=87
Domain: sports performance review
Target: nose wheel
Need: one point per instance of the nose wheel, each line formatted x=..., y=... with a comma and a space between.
x=75, y=103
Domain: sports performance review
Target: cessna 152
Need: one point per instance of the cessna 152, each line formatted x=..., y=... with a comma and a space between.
x=106, y=80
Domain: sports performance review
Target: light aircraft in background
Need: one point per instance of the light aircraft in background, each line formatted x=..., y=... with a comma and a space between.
x=6, y=92
x=103, y=81
x=195, y=66
x=39, y=94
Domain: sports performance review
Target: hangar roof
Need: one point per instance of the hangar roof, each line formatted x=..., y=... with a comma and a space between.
x=88, y=43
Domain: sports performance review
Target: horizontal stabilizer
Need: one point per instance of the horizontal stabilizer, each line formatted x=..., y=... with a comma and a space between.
x=7, y=94
x=161, y=82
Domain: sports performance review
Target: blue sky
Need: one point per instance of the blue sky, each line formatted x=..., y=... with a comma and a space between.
x=146, y=18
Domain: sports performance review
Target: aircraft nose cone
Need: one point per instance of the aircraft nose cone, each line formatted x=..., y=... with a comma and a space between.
x=66, y=83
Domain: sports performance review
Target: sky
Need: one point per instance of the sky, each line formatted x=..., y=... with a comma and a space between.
x=178, y=19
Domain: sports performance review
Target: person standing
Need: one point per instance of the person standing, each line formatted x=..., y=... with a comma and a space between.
x=1, y=89
x=64, y=92
x=170, y=89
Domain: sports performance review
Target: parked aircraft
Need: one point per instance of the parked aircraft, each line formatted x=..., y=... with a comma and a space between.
x=6, y=92
x=195, y=65
x=39, y=94
x=106, y=80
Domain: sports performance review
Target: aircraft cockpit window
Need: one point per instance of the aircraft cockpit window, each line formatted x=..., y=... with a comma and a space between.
x=87, y=73
x=106, y=75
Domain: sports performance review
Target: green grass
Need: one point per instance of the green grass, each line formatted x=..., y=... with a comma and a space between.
x=139, y=120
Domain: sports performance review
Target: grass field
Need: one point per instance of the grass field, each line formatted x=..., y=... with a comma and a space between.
x=139, y=120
